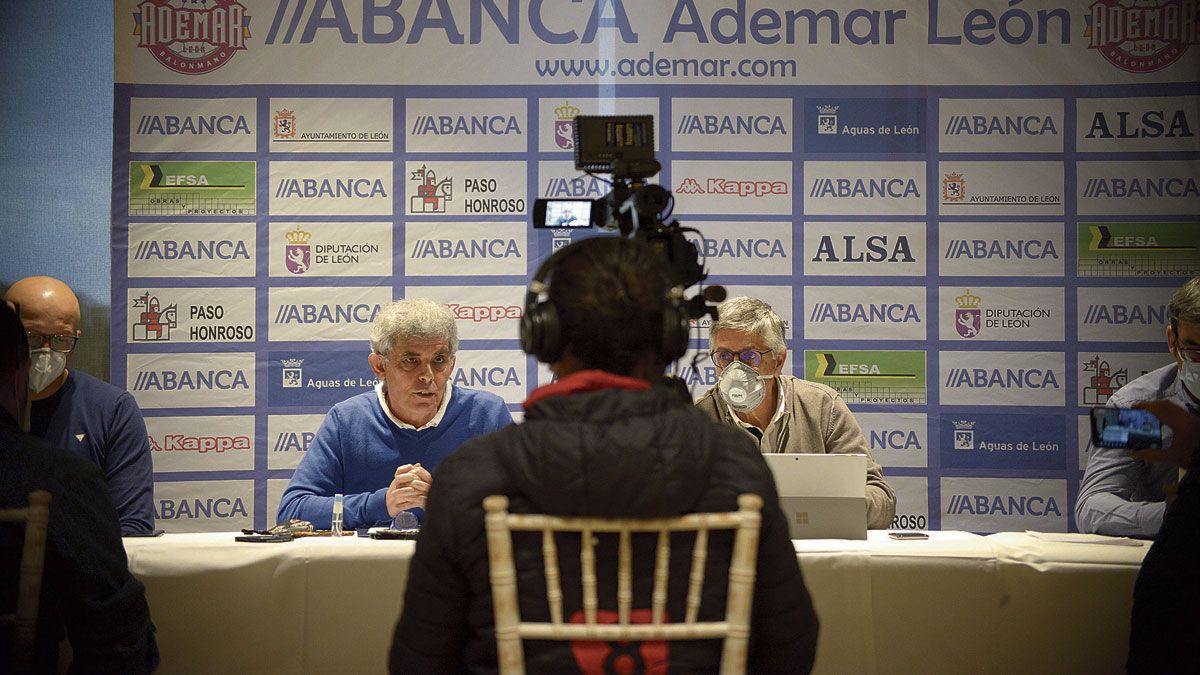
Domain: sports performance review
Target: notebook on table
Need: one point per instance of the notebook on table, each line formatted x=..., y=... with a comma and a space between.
x=823, y=496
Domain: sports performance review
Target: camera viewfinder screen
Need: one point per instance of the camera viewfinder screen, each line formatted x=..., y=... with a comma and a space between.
x=568, y=213
x=1126, y=428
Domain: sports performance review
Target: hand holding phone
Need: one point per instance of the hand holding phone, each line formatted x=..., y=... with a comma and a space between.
x=1125, y=428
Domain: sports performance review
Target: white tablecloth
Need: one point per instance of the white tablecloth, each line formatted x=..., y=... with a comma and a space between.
x=957, y=603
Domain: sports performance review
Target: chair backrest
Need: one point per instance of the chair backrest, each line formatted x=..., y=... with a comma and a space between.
x=734, y=629
x=36, y=518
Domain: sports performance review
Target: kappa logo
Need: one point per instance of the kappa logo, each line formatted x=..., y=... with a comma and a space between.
x=482, y=313
x=432, y=194
x=964, y=434
x=297, y=255
x=564, y=125
x=827, y=119
x=199, y=444
x=292, y=374
x=191, y=41
x=1127, y=188
x=968, y=318
x=1003, y=505
x=1142, y=36
x=1103, y=381
x=155, y=322
x=283, y=125
x=954, y=188
x=736, y=188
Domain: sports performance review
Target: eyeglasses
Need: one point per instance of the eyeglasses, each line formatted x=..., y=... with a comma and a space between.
x=410, y=362
x=59, y=343
x=750, y=357
x=1190, y=354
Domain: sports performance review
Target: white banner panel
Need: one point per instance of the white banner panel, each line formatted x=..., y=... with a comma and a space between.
x=1001, y=313
x=462, y=249
x=1001, y=249
x=191, y=250
x=1002, y=378
x=465, y=188
x=311, y=313
x=488, y=125
x=865, y=313
x=206, y=443
x=732, y=188
x=192, y=124
x=1004, y=504
x=204, y=506
x=331, y=249
x=724, y=125
x=864, y=188
x=190, y=380
x=1123, y=314
x=735, y=248
x=846, y=249
x=331, y=188
x=778, y=297
x=1138, y=188
x=331, y=125
x=481, y=312
x=1001, y=125
x=1000, y=188
x=288, y=438
x=1145, y=124
x=501, y=372
x=173, y=315
x=275, y=488
x=912, y=503
x=896, y=439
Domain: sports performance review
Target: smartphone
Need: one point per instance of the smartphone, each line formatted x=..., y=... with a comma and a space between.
x=265, y=538
x=387, y=533
x=569, y=213
x=1125, y=428
x=908, y=535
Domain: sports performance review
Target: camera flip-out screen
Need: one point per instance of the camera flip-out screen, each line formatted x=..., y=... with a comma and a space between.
x=552, y=213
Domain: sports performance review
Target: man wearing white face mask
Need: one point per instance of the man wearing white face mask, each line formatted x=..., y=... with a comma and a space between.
x=784, y=413
x=1123, y=496
x=79, y=413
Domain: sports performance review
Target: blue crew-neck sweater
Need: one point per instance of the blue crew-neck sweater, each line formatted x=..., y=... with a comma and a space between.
x=357, y=449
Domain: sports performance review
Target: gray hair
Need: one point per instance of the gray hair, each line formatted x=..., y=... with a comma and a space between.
x=413, y=319
x=752, y=316
x=1185, y=304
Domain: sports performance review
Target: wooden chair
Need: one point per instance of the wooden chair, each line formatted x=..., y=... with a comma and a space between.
x=734, y=629
x=36, y=518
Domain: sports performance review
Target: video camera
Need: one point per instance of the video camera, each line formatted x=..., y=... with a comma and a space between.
x=624, y=147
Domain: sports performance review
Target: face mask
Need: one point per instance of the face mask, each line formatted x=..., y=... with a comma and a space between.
x=742, y=387
x=1189, y=372
x=46, y=366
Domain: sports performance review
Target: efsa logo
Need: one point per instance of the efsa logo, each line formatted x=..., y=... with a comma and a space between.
x=871, y=249
x=731, y=125
x=964, y=434
x=154, y=322
x=190, y=509
x=193, y=125
x=1149, y=186
x=297, y=255
x=880, y=312
x=294, y=441
x=154, y=178
x=189, y=249
x=466, y=249
x=431, y=194
x=199, y=444
x=1142, y=36
x=331, y=188
x=1103, y=381
x=1103, y=240
x=1152, y=124
x=589, y=187
x=1001, y=249
x=485, y=313
x=192, y=41
x=968, y=318
x=333, y=314
x=1001, y=378
x=1124, y=315
x=564, y=125
x=465, y=125
x=1001, y=125
x=190, y=380
x=486, y=376
x=732, y=187
x=1003, y=505
x=852, y=188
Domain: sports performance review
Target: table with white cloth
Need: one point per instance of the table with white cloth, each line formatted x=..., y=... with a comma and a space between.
x=955, y=603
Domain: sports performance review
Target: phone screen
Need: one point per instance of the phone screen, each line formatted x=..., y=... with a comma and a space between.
x=1125, y=428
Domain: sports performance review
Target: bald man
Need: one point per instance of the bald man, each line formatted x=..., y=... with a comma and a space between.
x=79, y=413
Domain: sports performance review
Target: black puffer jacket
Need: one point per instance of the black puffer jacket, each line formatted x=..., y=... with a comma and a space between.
x=607, y=453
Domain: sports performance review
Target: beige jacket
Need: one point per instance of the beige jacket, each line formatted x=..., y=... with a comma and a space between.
x=815, y=420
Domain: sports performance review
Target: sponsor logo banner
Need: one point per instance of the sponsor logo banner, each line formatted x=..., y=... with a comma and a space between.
x=502, y=372
x=209, y=443
x=465, y=125
x=696, y=369
x=331, y=249
x=1101, y=374
x=318, y=379
x=314, y=313
x=192, y=125
x=166, y=315
x=465, y=188
x=912, y=503
x=204, y=505
x=1002, y=378
x=191, y=250
x=885, y=377
x=561, y=180
x=1000, y=125
x=731, y=125
x=1141, y=37
x=732, y=188
x=331, y=188
x=200, y=380
x=1123, y=314
x=864, y=125
x=778, y=297
x=331, y=125
x=1150, y=124
x=556, y=131
x=1001, y=313
x=864, y=249
x=191, y=41
x=1008, y=441
x=1138, y=188
x=896, y=439
x=1000, y=188
x=481, y=312
x=761, y=248
x=1001, y=249
x=864, y=313
x=1004, y=504
x=288, y=439
x=191, y=189
x=864, y=188
x=1139, y=249
x=465, y=249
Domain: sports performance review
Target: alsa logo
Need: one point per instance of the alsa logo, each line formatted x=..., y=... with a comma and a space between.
x=1000, y=505
x=1152, y=124
x=192, y=125
x=731, y=125
x=1001, y=378
x=466, y=249
x=1124, y=315
x=735, y=188
x=199, y=444
x=465, y=125
x=1122, y=188
x=873, y=249
x=192, y=41
x=589, y=187
x=198, y=249
x=292, y=441
x=872, y=188
x=482, y=313
x=1142, y=36
x=1002, y=249
x=843, y=312
x=330, y=188
x=350, y=313
x=190, y=509
x=894, y=439
x=486, y=377
x=1000, y=125
x=743, y=248
x=190, y=380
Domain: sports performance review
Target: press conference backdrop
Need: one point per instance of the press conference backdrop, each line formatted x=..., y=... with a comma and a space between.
x=971, y=215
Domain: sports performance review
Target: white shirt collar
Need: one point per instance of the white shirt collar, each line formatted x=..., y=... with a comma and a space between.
x=405, y=425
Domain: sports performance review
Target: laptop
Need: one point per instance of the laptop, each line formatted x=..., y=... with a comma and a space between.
x=823, y=496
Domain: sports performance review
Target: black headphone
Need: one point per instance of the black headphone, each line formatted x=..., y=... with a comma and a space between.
x=541, y=328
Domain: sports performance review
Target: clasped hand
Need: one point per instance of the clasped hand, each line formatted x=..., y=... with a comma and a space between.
x=408, y=489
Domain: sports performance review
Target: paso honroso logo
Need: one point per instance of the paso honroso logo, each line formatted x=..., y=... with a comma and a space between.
x=213, y=250
x=1001, y=249
x=1004, y=504
x=458, y=125
x=884, y=377
x=912, y=503
x=1141, y=37
x=331, y=125
x=1139, y=249
x=204, y=505
x=166, y=315
x=202, y=443
x=191, y=40
x=1001, y=125
x=1008, y=441
x=1167, y=187
x=191, y=380
x=192, y=189
x=1102, y=373
x=465, y=188
x=192, y=125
